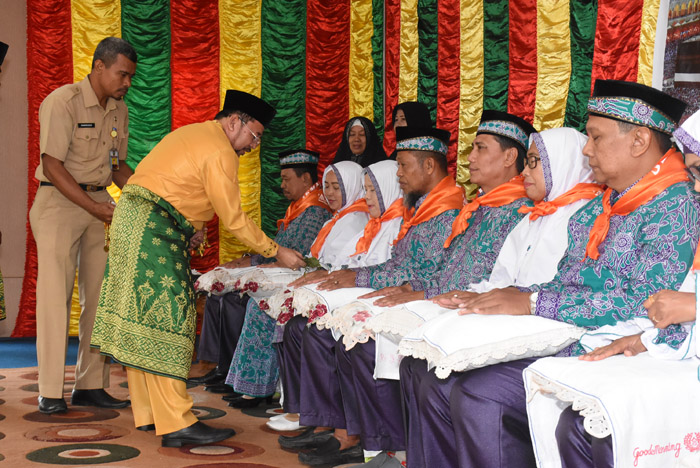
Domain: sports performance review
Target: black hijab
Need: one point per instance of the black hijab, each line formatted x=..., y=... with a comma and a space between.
x=373, y=149
x=417, y=115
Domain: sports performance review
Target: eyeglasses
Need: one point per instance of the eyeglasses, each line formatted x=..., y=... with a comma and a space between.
x=532, y=161
x=693, y=173
x=256, y=138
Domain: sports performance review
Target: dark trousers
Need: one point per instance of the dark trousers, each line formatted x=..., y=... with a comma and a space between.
x=577, y=448
x=221, y=328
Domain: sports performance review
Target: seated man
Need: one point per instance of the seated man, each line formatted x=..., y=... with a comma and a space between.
x=223, y=317
x=664, y=308
x=434, y=200
x=624, y=245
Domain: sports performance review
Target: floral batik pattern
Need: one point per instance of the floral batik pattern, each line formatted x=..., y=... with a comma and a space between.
x=650, y=249
x=418, y=255
x=472, y=255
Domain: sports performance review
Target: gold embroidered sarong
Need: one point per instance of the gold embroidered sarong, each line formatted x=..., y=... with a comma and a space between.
x=146, y=316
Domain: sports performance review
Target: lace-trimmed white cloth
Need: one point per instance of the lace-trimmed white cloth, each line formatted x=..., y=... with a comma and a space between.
x=315, y=304
x=220, y=280
x=649, y=406
x=454, y=343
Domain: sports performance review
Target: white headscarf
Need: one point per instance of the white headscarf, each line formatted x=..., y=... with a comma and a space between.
x=339, y=246
x=532, y=250
x=688, y=135
x=386, y=184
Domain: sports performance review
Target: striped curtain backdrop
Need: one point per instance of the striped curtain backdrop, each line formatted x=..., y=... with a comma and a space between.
x=321, y=62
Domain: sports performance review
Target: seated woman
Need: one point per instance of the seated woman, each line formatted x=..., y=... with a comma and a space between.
x=254, y=368
x=360, y=143
x=410, y=114
x=308, y=370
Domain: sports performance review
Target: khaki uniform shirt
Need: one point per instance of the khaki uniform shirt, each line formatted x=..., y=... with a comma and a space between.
x=195, y=169
x=75, y=129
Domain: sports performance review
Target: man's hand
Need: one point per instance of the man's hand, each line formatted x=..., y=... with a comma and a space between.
x=310, y=278
x=237, y=263
x=196, y=239
x=398, y=299
x=337, y=280
x=388, y=291
x=454, y=299
x=102, y=211
x=288, y=258
x=628, y=345
x=668, y=307
x=507, y=301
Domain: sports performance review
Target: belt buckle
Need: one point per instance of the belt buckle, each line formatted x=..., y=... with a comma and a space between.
x=91, y=188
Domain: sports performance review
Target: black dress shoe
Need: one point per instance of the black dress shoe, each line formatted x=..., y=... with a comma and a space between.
x=231, y=396
x=212, y=377
x=147, y=427
x=243, y=403
x=97, y=397
x=196, y=434
x=306, y=440
x=52, y=405
x=329, y=453
x=219, y=388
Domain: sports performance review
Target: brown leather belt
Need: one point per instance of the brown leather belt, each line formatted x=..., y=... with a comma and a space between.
x=87, y=188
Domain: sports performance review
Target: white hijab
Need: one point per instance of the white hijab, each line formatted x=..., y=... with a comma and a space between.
x=532, y=250
x=386, y=184
x=339, y=246
x=688, y=135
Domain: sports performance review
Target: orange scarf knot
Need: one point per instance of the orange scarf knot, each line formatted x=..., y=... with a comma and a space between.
x=359, y=205
x=581, y=191
x=312, y=197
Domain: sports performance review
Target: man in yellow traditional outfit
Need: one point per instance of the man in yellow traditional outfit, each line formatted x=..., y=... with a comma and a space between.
x=146, y=317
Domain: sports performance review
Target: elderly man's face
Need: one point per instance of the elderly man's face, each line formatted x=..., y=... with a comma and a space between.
x=244, y=136
x=412, y=175
x=294, y=186
x=609, y=152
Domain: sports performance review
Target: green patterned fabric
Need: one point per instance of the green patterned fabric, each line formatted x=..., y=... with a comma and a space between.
x=2, y=298
x=146, y=316
x=633, y=111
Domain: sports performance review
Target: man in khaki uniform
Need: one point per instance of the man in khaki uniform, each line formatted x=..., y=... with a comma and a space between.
x=83, y=144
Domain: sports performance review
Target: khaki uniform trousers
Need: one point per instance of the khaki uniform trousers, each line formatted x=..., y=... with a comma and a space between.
x=159, y=400
x=67, y=237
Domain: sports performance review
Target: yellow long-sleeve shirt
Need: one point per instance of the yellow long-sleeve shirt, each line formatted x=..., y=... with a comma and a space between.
x=195, y=169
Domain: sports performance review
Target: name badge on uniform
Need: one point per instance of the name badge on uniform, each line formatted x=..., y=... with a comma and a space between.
x=86, y=125
x=114, y=159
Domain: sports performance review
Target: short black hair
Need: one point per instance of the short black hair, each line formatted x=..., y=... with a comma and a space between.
x=108, y=49
x=662, y=139
x=439, y=158
x=301, y=169
x=507, y=143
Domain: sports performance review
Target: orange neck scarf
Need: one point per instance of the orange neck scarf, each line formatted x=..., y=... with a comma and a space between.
x=581, y=191
x=312, y=197
x=373, y=226
x=446, y=195
x=501, y=195
x=359, y=205
x=670, y=170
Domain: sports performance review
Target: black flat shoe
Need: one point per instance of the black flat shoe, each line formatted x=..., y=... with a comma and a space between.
x=212, y=377
x=52, y=405
x=97, y=397
x=147, y=427
x=243, y=403
x=329, y=453
x=219, y=388
x=306, y=440
x=196, y=434
x=231, y=396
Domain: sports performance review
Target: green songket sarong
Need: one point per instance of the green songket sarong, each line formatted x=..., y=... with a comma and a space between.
x=146, y=317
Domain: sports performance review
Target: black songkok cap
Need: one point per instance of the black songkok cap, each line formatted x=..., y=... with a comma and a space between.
x=506, y=125
x=422, y=139
x=298, y=157
x=249, y=104
x=637, y=104
x=3, y=51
